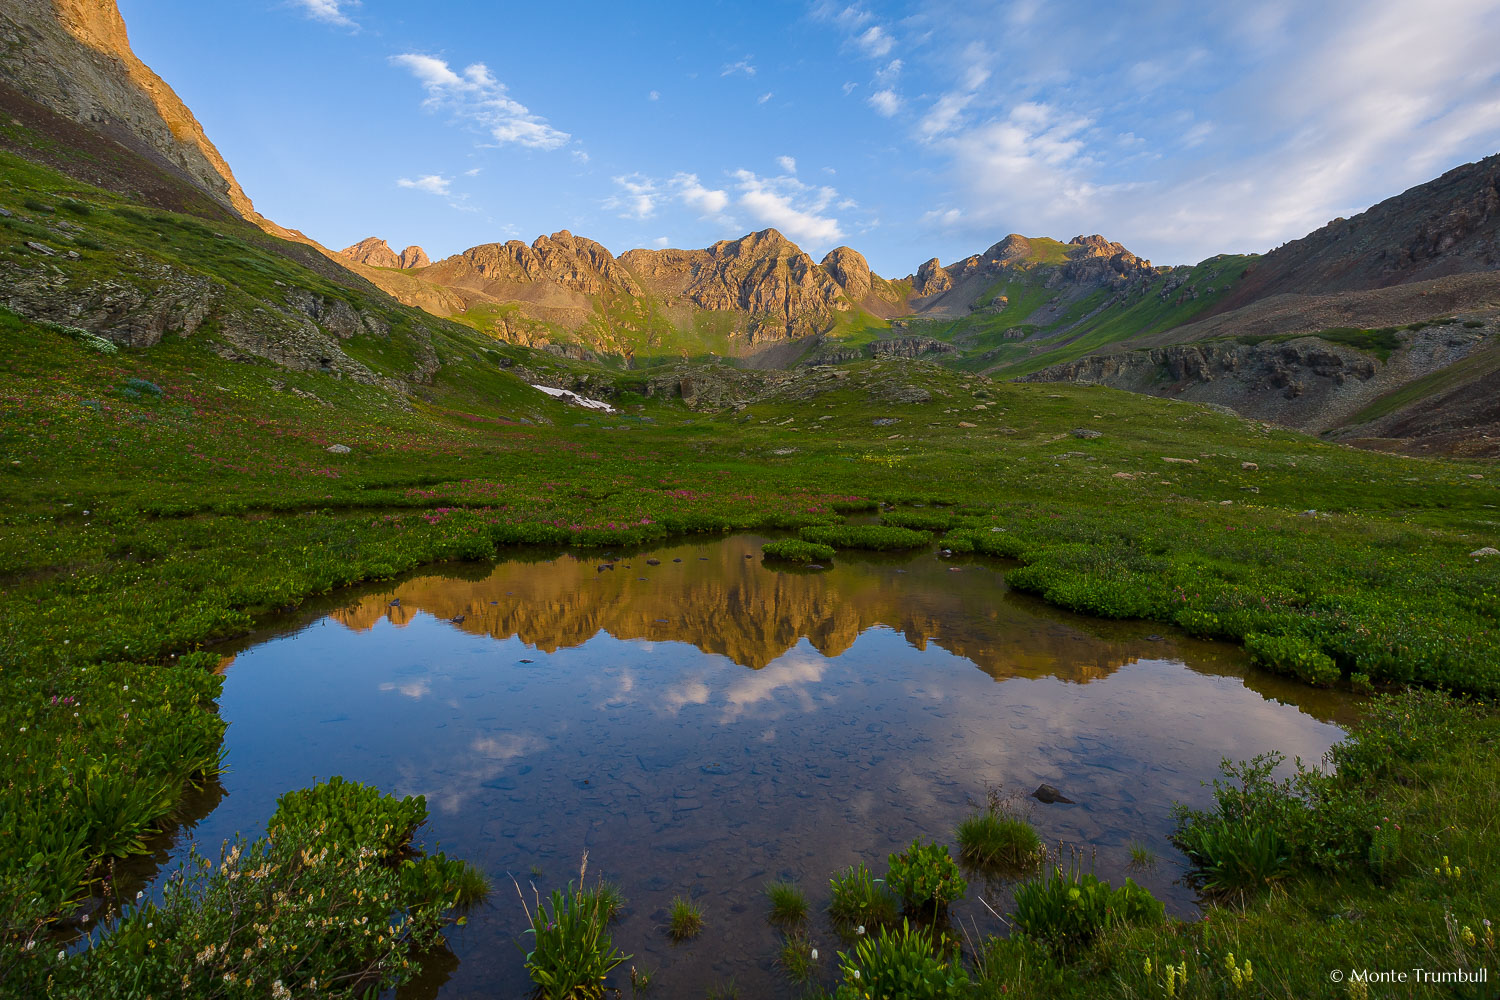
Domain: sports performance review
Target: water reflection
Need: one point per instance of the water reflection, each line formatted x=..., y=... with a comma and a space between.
x=547, y=707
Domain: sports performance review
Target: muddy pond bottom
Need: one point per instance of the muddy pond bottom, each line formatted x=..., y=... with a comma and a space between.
x=702, y=723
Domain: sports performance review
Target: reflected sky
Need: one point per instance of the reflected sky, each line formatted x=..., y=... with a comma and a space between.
x=719, y=724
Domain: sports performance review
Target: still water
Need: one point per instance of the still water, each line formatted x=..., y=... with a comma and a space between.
x=702, y=723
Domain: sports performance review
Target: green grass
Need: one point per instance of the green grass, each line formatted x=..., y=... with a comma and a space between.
x=788, y=904
x=994, y=838
x=1380, y=342
x=858, y=899
x=684, y=919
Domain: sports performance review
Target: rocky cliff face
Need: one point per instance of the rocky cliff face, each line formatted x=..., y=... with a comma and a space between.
x=763, y=276
x=74, y=57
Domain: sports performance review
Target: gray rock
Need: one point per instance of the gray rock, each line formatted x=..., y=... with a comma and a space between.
x=5, y=213
x=1086, y=434
x=1486, y=551
x=885, y=421
x=338, y=449
x=41, y=248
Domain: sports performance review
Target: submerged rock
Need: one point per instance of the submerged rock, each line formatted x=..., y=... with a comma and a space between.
x=1050, y=794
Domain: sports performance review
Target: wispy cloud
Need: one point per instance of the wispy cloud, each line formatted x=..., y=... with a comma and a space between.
x=432, y=184
x=476, y=96
x=886, y=102
x=763, y=98
x=329, y=11
x=787, y=163
x=742, y=66
x=785, y=203
x=635, y=197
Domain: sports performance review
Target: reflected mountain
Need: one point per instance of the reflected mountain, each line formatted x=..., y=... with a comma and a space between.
x=714, y=598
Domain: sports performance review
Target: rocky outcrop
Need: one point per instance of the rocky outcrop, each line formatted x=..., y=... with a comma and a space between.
x=1303, y=382
x=413, y=257
x=931, y=279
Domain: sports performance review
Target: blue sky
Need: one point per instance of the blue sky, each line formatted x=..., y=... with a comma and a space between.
x=905, y=130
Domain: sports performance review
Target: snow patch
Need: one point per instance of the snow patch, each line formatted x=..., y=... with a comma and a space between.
x=575, y=399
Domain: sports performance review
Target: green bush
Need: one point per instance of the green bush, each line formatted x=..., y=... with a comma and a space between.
x=347, y=815
x=795, y=550
x=900, y=964
x=1234, y=856
x=879, y=537
x=926, y=878
x=858, y=899
x=1293, y=655
x=1068, y=909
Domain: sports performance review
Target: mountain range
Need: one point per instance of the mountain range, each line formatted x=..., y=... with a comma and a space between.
x=1378, y=329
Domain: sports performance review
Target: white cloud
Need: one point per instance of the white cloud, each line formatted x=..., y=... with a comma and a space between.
x=875, y=42
x=885, y=102
x=743, y=66
x=655, y=95
x=763, y=98
x=944, y=114
x=432, y=184
x=636, y=198
x=706, y=202
x=661, y=242
x=475, y=95
x=787, y=163
x=787, y=204
x=329, y=11
x=474, y=172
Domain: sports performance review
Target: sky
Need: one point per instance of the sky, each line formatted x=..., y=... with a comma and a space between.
x=905, y=130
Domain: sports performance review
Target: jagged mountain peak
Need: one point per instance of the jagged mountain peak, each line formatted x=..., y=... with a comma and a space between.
x=375, y=252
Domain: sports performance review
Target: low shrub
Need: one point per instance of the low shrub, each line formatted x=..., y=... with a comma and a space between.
x=859, y=899
x=926, y=878
x=795, y=550
x=348, y=813
x=1234, y=856
x=1293, y=655
x=900, y=963
x=934, y=521
x=879, y=537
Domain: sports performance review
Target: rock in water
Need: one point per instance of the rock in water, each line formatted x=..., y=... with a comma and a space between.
x=1049, y=794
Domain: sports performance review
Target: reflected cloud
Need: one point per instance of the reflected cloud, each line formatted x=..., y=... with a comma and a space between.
x=411, y=689
x=792, y=674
